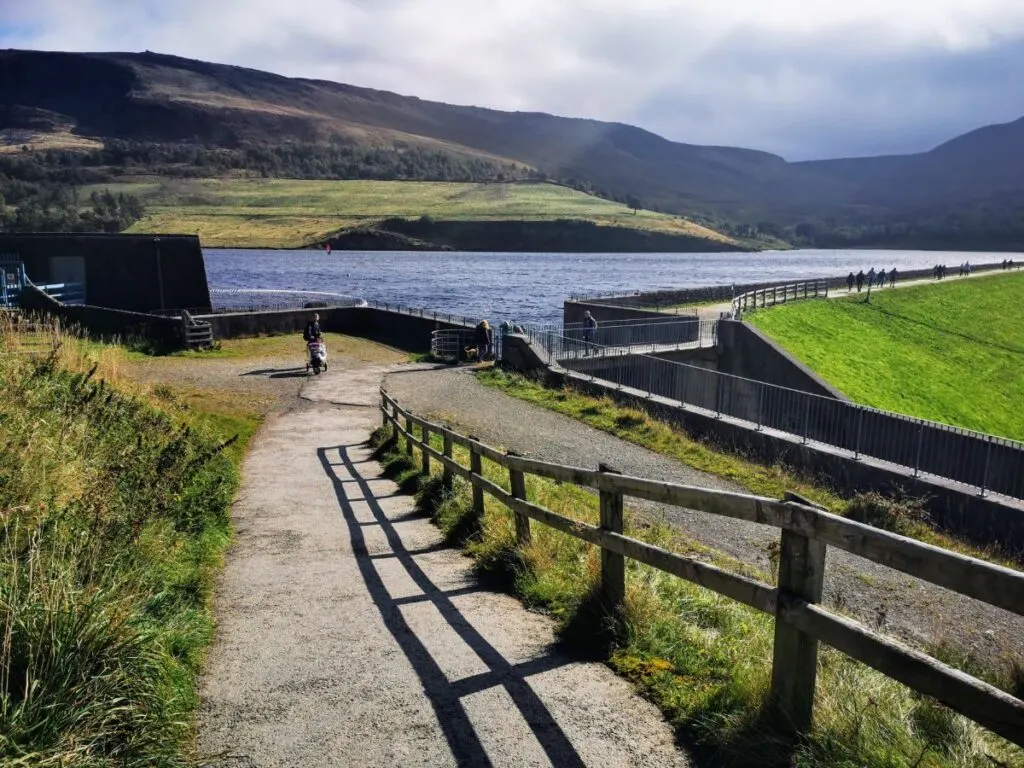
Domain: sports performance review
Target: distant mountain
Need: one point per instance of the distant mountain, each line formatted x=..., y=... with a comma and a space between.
x=153, y=97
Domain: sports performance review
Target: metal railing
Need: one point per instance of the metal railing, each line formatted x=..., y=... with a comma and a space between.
x=12, y=280
x=779, y=294
x=65, y=293
x=794, y=600
x=575, y=340
x=985, y=462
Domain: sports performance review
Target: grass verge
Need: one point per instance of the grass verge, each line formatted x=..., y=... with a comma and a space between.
x=114, y=520
x=704, y=660
x=905, y=516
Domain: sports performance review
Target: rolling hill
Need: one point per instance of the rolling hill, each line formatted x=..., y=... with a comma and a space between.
x=84, y=99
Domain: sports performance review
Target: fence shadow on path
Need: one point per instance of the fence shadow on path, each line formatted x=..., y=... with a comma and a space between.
x=351, y=485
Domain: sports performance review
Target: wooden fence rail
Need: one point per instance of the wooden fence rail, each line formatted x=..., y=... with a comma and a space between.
x=806, y=532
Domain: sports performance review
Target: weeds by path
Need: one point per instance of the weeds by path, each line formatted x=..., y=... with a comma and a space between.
x=704, y=660
x=113, y=517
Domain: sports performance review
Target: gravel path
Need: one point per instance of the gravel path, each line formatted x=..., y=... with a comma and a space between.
x=348, y=636
x=909, y=608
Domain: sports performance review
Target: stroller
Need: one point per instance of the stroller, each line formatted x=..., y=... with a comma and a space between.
x=316, y=355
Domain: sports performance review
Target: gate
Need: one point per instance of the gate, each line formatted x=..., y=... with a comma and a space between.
x=12, y=280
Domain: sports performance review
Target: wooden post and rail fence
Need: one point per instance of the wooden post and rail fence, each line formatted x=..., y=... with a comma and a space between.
x=801, y=622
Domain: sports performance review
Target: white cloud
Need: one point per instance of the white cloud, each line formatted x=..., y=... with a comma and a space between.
x=804, y=78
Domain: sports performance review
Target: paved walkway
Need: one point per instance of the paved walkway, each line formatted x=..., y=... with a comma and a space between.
x=348, y=636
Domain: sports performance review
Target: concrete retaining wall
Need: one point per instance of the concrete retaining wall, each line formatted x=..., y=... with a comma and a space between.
x=106, y=323
x=744, y=351
x=402, y=330
x=572, y=312
x=983, y=520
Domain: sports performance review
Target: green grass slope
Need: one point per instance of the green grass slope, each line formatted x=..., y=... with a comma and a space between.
x=952, y=352
x=281, y=213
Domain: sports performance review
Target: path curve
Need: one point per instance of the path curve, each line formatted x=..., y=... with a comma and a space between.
x=348, y=636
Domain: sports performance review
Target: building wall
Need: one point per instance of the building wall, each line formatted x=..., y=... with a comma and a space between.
x=136, y=273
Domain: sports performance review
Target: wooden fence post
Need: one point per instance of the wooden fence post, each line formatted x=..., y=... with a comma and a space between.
x=408, y=436
x=394, y=415
x=477, y=468
x=383, y=409
x=795, y=655
x=449, y=476
x=426, y=455
x=517, y=482
x=613, y=566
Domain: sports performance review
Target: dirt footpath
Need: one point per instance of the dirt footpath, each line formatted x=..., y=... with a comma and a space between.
x=348, y=636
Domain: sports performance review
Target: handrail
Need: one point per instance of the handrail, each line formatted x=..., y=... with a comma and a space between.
x=984, y=461
x=800, y=621
x=810, y=289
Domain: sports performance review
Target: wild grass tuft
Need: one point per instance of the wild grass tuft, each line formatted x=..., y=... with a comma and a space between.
x=113, y=516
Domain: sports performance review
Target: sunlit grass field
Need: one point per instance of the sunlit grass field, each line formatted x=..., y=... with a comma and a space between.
x=282, y=213
x=952, y=351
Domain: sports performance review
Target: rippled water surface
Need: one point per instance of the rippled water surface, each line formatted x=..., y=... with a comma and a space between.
x=531, y=286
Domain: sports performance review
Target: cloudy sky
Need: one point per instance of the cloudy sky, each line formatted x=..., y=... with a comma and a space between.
x=802, y=78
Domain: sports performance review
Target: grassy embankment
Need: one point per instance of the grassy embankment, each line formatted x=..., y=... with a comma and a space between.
x=951, y=352
x=280, y=213
x=704, y=660
x=115, y=507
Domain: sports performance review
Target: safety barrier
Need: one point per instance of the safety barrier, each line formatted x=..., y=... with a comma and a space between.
x=986, y=462
x=801, y=622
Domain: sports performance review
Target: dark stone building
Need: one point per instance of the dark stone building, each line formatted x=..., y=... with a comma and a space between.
x=138, y=273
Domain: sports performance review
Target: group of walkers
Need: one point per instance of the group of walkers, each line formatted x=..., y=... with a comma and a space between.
x=872, y=278
x=1008, y=264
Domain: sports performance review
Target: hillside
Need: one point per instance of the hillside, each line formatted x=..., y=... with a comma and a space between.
x=950, y=352
x=82, y=101
x=278, y=213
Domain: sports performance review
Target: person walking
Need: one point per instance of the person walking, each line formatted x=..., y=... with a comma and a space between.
x=484, y=339
x=860, y=280
x=871, y=277
x=849, y=283
x=312, y=331
x=892, y=277
x=589, y=331
x=881, y=278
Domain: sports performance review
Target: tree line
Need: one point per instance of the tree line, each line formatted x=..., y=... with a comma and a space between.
x=337, y=160
x=58, y=208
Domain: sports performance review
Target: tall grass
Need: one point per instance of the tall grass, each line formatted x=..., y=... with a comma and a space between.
x=113, y=514
x=703, y=659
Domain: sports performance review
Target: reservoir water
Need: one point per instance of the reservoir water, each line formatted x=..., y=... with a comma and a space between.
x=530, y=287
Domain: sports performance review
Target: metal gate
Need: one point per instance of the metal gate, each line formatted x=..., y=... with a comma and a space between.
x=12, y=280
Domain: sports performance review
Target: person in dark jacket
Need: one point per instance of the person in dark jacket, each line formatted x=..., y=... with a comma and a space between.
x=484, y=339
x=860, y=280
x=849, y=282
x=312, y=329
